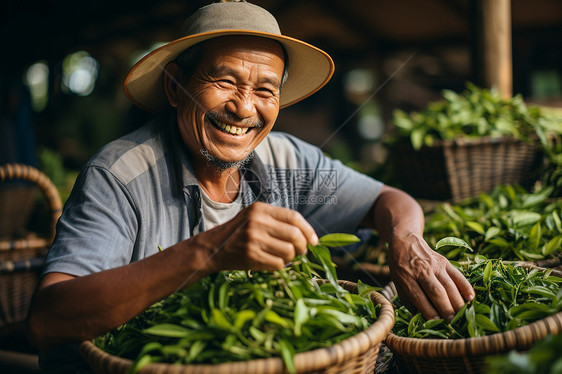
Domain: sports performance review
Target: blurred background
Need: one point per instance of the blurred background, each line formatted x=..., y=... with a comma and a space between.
x=64, y=63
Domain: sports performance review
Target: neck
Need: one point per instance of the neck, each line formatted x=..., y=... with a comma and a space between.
x=220, y=185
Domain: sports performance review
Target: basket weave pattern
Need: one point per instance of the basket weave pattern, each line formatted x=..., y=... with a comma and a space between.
x=17, y=285
x=466, y=355
x=357, y=354
x=459, y=169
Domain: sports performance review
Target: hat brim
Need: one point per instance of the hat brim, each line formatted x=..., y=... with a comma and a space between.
x=310, y=69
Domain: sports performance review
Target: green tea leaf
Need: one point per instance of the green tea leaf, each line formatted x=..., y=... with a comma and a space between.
x=485, y=323
x=301, y=316
x=220, y=319
x=338, y=240
x=451, y=241
x=476, y=227
x=530, y=255
x=243, y=316
x=417, y=138
x=487, y=274
x=522, y=218
x=471, y=319
x=540, y=290
x=491, y=232
x=459, y=314
x=142, y=362
x=169, y=330
x=288, y=355
x=553, y=245
x=535, y=236
x=322, y=253
x=273, y=317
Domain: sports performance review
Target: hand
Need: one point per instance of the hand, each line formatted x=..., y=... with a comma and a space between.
x=425, y=280
x=260, y=237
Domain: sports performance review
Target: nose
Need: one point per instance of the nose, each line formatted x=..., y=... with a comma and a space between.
x=242, y=105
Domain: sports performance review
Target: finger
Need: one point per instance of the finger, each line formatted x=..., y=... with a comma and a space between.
x=294, y=218
x=404, y=299
x=462, y=284
x=280, y=248
x=267, y=262
x=455, y=298
x=417, y=297
x=437, y=295
x=291, y=235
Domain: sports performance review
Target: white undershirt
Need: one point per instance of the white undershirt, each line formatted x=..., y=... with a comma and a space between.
x=215, y=213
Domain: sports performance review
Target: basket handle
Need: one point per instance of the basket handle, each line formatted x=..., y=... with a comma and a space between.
x=31, y=174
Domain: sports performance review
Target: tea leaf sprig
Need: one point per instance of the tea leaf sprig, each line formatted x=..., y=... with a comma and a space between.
x=242, y=315
x=508, y=295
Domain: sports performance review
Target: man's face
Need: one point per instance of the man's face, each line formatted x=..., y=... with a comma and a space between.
x=232, y=98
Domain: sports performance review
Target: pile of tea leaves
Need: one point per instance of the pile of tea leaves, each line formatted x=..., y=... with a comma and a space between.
x=509, y=223
x=508, y=295
x=243, y=315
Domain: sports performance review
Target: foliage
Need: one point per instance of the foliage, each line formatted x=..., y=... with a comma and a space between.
x=552, y=174
x=543, y=358
x=238, y=315
x=474, y=113
x=507, y=296
x=509, y=223
x=51, y=164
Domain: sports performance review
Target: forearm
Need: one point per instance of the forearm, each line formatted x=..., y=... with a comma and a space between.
x=84, y=307
x=397, y=214
x=425, y=280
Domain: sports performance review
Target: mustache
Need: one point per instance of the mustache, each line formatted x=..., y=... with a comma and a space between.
x=229, y=117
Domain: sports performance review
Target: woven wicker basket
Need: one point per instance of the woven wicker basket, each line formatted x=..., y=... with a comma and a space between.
x=459, y=169
x=21, y=258
x=357, y=354
x=466, y=355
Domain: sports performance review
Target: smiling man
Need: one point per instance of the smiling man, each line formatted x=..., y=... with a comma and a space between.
x=212, y=184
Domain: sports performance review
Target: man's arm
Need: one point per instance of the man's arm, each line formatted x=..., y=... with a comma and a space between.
x=425, y=280
x=71, y=309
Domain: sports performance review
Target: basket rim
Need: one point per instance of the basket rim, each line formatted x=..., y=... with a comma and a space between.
x=477, y=346
x=311, y=360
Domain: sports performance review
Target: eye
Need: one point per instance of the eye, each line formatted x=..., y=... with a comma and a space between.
x=266, y=91
x=225, y=83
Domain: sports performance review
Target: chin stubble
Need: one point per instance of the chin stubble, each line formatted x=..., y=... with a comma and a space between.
x=221, y=165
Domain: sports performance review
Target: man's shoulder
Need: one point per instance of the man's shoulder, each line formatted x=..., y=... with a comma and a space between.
x=133, y=154
x=284, y=150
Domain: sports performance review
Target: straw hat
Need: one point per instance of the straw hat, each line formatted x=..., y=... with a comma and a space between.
x=309, y=68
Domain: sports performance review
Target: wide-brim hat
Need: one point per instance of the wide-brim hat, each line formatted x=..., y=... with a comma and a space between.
x=309, y=68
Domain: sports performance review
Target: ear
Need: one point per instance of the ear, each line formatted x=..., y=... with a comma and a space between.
x=172, y=79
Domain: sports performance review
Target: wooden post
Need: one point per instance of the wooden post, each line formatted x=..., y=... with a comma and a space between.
x=493, y=55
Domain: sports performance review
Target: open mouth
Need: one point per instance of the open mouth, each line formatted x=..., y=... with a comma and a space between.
x=229, y=129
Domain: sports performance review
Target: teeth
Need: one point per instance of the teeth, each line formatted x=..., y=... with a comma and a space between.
x=232, y=129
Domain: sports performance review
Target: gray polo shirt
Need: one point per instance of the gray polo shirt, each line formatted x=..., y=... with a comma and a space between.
x=139, y=192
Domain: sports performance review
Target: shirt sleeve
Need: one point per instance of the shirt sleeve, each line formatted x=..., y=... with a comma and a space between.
x=338, y=196
x=97, y=228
